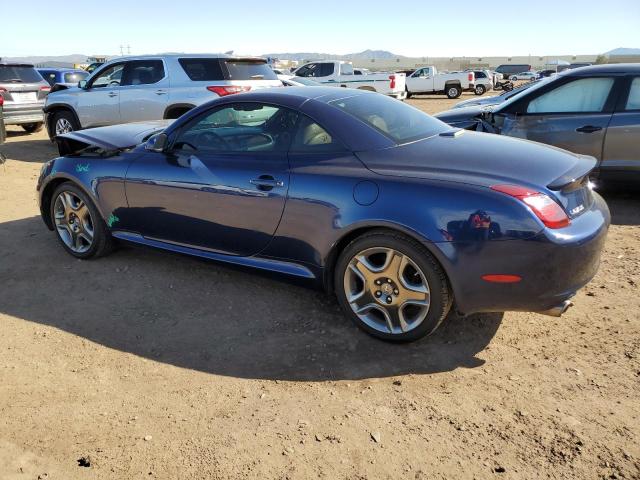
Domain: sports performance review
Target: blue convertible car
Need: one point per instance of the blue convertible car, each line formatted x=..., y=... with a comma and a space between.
x=396, y=213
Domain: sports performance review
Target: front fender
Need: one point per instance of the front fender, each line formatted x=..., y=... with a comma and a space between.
x=102, y=180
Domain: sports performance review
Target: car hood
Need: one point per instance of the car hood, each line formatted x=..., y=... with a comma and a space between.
x=116, y=137
x=480, y=159
x=473, y=102
x=456, y=115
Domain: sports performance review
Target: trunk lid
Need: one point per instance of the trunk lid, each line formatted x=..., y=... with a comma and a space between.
x=485, y=160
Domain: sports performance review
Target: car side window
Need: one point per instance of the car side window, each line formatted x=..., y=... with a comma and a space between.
x=633, y=101
x=240, y=128
x=306, y=71
x=325, y=70
x=579, y=96
x=143, y=72
x=109, y=77
x=312, y=138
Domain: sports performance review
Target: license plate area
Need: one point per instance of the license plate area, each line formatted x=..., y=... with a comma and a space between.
x=24, y=97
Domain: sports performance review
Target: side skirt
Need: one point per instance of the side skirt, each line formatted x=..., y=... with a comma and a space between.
x=265, y=264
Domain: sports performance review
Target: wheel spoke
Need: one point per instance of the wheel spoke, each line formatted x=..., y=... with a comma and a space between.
x=394, y=264
x=363, y=268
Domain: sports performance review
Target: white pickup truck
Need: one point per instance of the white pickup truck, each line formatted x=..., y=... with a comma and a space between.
x=340, y=74
x=428, y=80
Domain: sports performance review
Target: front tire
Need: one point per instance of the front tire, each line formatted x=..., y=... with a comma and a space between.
x=32, y=127
x=453, y=91
x=391, y=286
x=480, y=90
x=78, y=224
x=63, y=122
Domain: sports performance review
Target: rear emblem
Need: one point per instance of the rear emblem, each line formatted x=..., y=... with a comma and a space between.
x=576, y=210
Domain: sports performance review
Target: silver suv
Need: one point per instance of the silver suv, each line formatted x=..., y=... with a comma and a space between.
x=24, y=92
x=156, y=87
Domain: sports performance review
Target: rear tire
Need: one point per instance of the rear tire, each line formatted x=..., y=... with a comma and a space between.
x=453, y=91
x=412, y=284
x=77, y=223
x=32, y=127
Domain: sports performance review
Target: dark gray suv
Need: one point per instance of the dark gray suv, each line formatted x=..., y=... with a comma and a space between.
x=24, y=91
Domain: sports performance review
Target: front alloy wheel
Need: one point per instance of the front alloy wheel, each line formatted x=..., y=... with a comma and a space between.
x=63, y=126
x=77, y=223
x=73, y=222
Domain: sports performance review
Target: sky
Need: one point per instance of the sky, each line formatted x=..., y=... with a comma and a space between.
x=409, y=28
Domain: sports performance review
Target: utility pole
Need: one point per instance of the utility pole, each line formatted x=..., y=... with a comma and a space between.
x=121, y=50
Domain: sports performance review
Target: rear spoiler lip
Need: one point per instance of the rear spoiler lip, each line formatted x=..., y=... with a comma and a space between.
x=583, y=166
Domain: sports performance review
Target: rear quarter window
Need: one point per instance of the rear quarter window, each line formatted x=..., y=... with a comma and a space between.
x=394, y=119
x=249, y=70
x=202, y=69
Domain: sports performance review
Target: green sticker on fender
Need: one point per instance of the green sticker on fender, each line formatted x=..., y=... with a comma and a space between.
x=111, y=220
x=82, y=168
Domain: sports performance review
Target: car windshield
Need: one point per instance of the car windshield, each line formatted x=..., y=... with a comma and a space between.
x=75, y=77
x=19, y=74
x=397, y=120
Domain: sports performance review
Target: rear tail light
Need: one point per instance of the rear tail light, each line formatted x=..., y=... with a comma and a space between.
x=392, y=81
x=543, y=206
x=1, y=99
x=223, y=91
x=471, y=77
x=45, y=89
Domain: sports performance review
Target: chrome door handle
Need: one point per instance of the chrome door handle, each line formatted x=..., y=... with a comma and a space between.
x=113, y=94
x=266, y=182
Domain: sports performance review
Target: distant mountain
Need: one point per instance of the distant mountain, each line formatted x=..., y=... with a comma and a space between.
x=366, y=55
x=624, y=51
x=50, y=61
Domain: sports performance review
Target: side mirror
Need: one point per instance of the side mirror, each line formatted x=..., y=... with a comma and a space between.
x=82, y=84
x=157, y=143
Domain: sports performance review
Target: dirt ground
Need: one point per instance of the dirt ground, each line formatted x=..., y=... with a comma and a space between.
x=148, y=365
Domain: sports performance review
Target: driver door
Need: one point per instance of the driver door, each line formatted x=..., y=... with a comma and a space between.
x=99, y=102
x=574, y=116
x=221, y=185
x=420, y=81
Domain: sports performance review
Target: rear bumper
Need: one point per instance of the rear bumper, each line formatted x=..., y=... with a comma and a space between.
x=399, y=95
x=553, y=265
x=18, y=115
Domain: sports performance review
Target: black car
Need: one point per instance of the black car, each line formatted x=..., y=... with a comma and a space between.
x=591, y=110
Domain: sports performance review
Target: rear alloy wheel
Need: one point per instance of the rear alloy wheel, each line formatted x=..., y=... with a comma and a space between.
x=32, y=127
x=78, y=224
x=454, y=91
x=480, y=90
x=392, y=287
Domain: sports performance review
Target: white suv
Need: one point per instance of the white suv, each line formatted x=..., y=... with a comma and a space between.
x=157, y=87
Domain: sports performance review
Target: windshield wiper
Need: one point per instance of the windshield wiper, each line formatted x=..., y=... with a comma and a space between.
x=257, y=77
x=13, y=80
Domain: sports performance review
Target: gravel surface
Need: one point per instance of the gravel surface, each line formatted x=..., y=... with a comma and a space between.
x=149, y=365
